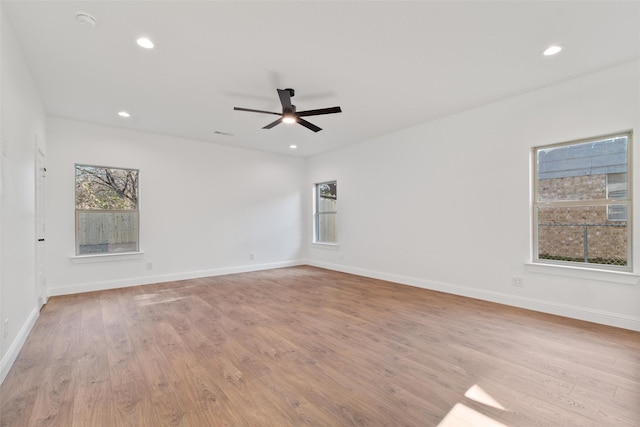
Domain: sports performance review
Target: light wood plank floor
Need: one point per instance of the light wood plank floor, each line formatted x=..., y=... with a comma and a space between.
x=304, y=346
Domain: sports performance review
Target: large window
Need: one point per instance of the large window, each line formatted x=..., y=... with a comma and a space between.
x=106, y=210
x=582, y=203
x=326, y=212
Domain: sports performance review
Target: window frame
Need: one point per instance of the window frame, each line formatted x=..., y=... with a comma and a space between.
x=317, y=214
x=78, y=211
x=606, y=202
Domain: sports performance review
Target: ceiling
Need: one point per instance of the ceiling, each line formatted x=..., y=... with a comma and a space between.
x=388, y=64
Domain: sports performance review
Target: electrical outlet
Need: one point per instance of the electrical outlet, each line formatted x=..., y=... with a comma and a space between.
x=517, y=282
x=149, y=266
x=5, y=328
x=251, y=257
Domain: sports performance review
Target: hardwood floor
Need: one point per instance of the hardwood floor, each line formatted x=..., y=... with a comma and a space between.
x=309, y=347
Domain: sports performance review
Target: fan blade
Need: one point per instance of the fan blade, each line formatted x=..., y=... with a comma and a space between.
x=272, y=124
x=319, y=111
x=256, y=111
x=285, y=99
x=308, y=125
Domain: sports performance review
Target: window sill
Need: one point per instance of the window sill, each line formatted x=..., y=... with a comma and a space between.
x=124, y=256
x=329, y=246
x=610, y=276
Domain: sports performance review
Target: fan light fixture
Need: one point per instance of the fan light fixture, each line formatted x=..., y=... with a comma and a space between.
x=288, y=119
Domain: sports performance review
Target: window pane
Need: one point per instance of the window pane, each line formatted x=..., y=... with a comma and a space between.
x=107, y=214
x=107, y=231
x=106, y=188
x=581, y=234
x=617, y=185
x=327, y=197
x=326, y=214
x=617, y=212
x=579, y=171
x=326, y=227
x=617, y=188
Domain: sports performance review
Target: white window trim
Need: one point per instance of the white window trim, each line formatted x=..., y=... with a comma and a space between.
x=97, y=256
x=586, y=273
x=122, y=256
x=592, y=270
x=322, y=245
x=314, y=231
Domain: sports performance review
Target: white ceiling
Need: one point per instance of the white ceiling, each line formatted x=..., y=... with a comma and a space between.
x=388, y=64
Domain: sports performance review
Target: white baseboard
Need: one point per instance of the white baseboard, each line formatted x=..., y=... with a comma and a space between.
x=15, y=347
x=565, y=310
x=146, y=280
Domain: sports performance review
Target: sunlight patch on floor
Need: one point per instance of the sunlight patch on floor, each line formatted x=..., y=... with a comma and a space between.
x=476, y=393
x=150, y=299
x=463, y=416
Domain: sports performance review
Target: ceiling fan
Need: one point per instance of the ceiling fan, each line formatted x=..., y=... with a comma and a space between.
x=289, y=113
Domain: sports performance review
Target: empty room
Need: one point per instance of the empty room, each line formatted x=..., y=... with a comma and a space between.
x=319, y=213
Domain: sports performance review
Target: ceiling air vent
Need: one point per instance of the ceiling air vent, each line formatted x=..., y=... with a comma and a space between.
x=86, y=19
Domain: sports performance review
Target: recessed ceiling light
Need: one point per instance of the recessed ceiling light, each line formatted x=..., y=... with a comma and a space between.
x=124, y=114
x=552, y=50
x=145, y=43
x=85, y=19
x=293, y=146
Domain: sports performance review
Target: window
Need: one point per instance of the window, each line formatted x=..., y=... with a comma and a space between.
x=581, y=203
x=326, y=212
x=617, y=189
x=106, y=210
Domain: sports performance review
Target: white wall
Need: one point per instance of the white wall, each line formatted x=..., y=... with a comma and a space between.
x=446, y=205
x=22, y=123
x=204, y=208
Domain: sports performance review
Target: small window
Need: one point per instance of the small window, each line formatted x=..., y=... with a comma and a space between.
x=107, y=214
x=581, y=203
x=617, y=189
x=326, y=212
